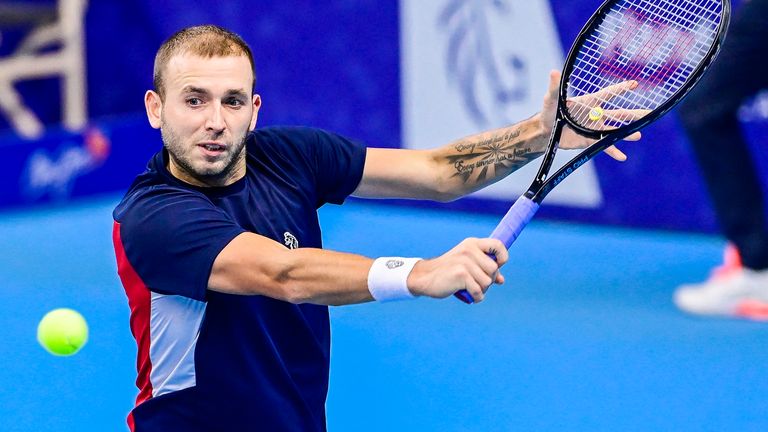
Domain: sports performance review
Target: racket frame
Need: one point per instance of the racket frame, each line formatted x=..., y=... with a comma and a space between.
x=544, y=182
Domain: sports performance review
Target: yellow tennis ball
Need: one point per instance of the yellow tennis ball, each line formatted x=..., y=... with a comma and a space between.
x=62, y=332
x=595, y=113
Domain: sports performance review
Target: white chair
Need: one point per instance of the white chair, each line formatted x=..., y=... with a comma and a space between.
x=58, y=26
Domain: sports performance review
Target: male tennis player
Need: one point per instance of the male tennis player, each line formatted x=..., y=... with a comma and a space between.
x=218, y=245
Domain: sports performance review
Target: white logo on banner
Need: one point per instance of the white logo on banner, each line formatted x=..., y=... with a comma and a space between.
x=470, y=65
x=756, y=109
x=55, y=172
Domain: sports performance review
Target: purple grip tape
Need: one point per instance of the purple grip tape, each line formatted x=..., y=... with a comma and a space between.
x=515, y=220
x=508, y=230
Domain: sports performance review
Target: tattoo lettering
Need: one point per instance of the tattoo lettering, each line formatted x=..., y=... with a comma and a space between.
x=461, y=147
x=492, y=157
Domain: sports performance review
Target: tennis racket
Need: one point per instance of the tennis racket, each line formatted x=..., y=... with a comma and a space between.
x=631, y=63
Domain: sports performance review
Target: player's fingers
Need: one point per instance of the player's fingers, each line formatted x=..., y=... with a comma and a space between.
x=550, y=97
x=499, y=278
x=634, y=137
x=474, y=289
x=496, y=248
x=554, y=84
x=478, y=266
x=614, y=90
x=615, y=153
x=624, y=115
x=485, y=259
x=597, y=118
x=481, y=276
x=604, y=95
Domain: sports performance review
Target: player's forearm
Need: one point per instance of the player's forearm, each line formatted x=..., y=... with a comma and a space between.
x=455, y=169
x=255, y=265
x=476, y=161
x=325, y=277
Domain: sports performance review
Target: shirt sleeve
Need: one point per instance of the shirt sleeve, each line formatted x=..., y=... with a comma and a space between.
x=171, y=238
x=338, y=163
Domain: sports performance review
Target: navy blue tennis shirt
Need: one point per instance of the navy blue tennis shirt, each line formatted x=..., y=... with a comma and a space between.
x=209, y=361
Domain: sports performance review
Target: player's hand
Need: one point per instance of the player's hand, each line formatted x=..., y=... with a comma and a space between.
x=466, y=266
x=569, y=138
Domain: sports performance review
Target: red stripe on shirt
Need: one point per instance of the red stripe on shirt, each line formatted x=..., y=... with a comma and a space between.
x=139, y=300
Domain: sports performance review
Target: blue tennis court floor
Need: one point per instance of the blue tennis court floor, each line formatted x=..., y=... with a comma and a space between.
x=583, y=340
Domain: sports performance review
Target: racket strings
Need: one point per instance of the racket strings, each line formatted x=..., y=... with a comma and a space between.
x=634, y=98
x=658, y=71
x=656, y=44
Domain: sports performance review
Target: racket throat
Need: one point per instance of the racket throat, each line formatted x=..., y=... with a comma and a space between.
x=534, y=192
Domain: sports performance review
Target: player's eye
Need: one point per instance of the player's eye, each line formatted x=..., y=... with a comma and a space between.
x=234, y=102
x=193, y=101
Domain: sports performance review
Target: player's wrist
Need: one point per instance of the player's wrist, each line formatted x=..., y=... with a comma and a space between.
x=388, y=278
x=416, y=279
x=540, y=131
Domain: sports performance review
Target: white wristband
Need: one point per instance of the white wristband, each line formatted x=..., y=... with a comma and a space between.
x=388, y=278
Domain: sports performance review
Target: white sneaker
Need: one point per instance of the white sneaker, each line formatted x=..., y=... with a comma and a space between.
x=741, y=293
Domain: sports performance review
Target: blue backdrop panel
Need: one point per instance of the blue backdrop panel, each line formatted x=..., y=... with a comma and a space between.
x=333, y=65
x=62, y=165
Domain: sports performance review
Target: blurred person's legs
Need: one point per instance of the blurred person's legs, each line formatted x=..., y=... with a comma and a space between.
x=709, y=116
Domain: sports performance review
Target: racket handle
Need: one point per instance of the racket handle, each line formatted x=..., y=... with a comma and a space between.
x=508, y=230
x=515, y=220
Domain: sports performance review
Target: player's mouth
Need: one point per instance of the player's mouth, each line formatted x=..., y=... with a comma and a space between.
x=212, y=149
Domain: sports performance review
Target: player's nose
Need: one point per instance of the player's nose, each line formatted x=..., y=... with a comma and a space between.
x=215, y=121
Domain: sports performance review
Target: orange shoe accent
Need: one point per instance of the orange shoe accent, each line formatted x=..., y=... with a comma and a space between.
x=731, y=263
x=752, y=309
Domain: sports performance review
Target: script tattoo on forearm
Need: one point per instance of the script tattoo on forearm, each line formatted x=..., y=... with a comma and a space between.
x=489, y=158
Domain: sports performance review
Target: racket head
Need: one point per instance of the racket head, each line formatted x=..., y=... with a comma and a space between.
x=663, y=46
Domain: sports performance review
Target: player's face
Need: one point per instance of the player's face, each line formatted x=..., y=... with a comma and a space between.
x=208, y=111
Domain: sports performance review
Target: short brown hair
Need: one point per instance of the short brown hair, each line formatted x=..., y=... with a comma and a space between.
x=205, y=41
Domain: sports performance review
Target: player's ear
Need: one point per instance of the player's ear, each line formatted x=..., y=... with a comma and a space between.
x=154, y=107
x=256, y=105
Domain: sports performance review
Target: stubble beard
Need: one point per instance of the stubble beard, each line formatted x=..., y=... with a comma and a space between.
x=216, y=174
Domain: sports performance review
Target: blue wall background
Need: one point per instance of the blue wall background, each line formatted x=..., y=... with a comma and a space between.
x=332, y=64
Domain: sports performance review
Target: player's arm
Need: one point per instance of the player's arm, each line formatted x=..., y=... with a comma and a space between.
x=453, y=170
x=468, y=164
x=255, y=265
